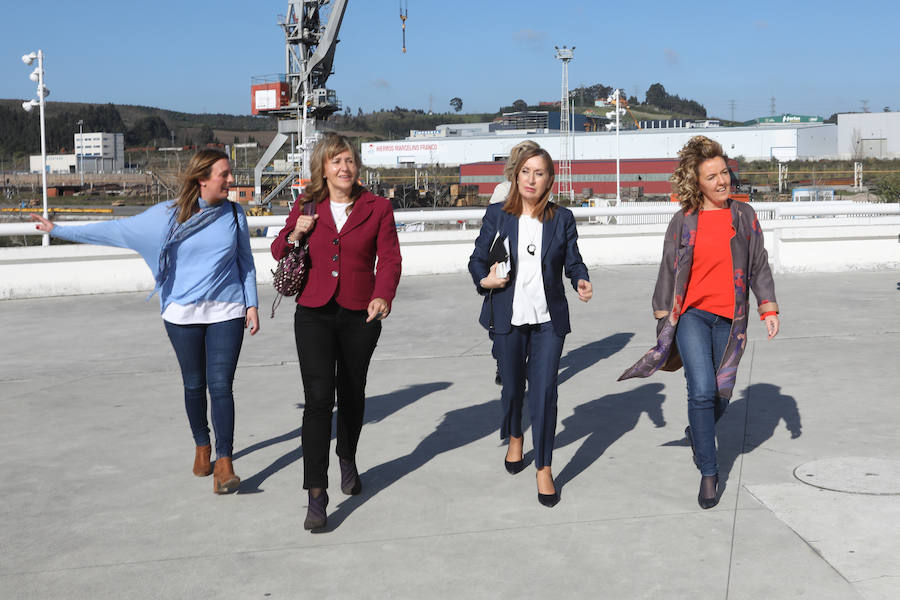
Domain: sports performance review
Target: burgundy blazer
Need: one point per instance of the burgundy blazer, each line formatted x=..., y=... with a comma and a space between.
x=342, y=265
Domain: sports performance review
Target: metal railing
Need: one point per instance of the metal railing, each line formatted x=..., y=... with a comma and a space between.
x=767, y=211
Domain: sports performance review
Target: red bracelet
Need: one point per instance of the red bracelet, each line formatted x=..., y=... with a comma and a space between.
x=767, y=314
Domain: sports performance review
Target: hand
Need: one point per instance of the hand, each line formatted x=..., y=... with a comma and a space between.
x=378, y=309
x=772, y=325
x=252, y=320
x=305, y=224
x=585, y=290
x=43, y=224
x=492, y=282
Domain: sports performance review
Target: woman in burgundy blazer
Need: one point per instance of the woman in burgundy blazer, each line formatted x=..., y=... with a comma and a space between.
x=338, y=318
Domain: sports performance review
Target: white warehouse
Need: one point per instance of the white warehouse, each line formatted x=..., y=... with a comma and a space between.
x=785, y=142
x=868, y=135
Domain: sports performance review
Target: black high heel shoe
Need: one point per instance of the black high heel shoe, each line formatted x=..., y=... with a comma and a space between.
x=549, y=500
x=707, y=501
x=514, y=467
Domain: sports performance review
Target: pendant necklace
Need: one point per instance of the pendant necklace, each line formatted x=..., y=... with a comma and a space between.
x=531, y=248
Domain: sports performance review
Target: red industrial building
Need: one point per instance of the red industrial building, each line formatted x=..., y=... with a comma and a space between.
x=598, y=176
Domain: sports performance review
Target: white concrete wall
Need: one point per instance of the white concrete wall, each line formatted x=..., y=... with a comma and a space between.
x=56, y=163
x=814, y=245
x=816, y=143
x=867, y=126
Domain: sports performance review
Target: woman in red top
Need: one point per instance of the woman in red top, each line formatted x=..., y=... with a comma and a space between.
x=338, y=318
x=713, y=252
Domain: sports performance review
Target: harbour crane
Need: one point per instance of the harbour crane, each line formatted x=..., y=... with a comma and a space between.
x=404, y=11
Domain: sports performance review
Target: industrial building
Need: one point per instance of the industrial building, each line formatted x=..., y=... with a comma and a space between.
x=781, y=142
x=56, y=163
x=868, y=135
x=100, y=152
x=95, y=152
x=591, y=177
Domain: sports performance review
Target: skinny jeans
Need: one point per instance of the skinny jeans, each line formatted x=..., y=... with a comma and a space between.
x=334, y=346
x=208, y=356
x=701, y=337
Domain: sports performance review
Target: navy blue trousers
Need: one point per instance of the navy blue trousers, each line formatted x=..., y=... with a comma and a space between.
x=532, y=353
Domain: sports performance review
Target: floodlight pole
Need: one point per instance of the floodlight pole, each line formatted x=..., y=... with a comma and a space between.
x=80, y=157
x=41, y=92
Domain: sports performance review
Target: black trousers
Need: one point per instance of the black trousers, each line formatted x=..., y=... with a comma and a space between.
x=334, y=346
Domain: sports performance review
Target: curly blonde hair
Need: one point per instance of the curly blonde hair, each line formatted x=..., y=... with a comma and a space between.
x=329, y=146
x=514, y=204
x=685, y=179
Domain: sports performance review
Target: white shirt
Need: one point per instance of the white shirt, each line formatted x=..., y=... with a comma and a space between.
x=501, y=192
x=203, y=312
x=339, y=212
x=529, y=300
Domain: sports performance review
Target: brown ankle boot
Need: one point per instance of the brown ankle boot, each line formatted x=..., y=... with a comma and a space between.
x=224, y=479
x=202, y=467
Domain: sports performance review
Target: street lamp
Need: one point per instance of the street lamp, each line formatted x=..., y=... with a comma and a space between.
x=42, y=92
x=79, y=156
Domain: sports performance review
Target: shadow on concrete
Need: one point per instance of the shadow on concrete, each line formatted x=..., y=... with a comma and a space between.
x=586, y=356
x=458, y=428
x=748, y=423
x=602, y=421
x=377, y=409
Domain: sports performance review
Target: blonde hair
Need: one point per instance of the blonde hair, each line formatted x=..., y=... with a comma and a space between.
x=685, y=179
x=199, y=167
x=510, y=169
x=514, y=204
x=329, y=146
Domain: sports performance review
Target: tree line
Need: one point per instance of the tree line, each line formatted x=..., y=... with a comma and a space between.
x=655, y=96
x=20, y=131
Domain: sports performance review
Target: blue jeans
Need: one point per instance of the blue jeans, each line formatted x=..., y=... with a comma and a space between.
x=701, y=337
x=208, y=355
x=532, y=352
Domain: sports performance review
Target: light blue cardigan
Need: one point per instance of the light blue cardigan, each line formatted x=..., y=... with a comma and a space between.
x=215, y=263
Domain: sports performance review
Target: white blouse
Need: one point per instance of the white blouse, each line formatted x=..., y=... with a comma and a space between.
x=203, y=312
x=339, y=212
x=529, y=300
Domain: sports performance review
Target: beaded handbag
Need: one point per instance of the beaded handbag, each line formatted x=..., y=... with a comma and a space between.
x=289, y=276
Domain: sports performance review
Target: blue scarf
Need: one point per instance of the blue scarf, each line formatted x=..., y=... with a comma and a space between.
x=178, y=232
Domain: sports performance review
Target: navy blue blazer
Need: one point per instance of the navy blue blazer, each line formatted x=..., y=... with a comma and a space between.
x=559, y=249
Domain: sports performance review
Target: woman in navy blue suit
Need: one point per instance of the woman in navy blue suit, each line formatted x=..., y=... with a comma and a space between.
x=526, y=308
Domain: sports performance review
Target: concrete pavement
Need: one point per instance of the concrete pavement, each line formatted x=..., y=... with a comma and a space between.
x=99, y=501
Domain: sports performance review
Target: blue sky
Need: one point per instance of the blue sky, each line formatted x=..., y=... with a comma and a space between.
x=198, y=56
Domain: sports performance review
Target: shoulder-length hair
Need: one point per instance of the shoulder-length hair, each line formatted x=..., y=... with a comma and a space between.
x=510, y=169
x=514, y=204
x=199, y=167
x=329, y=146
x=686, y=179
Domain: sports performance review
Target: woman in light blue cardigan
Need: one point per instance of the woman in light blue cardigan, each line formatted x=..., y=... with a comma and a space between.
x=198, y=249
